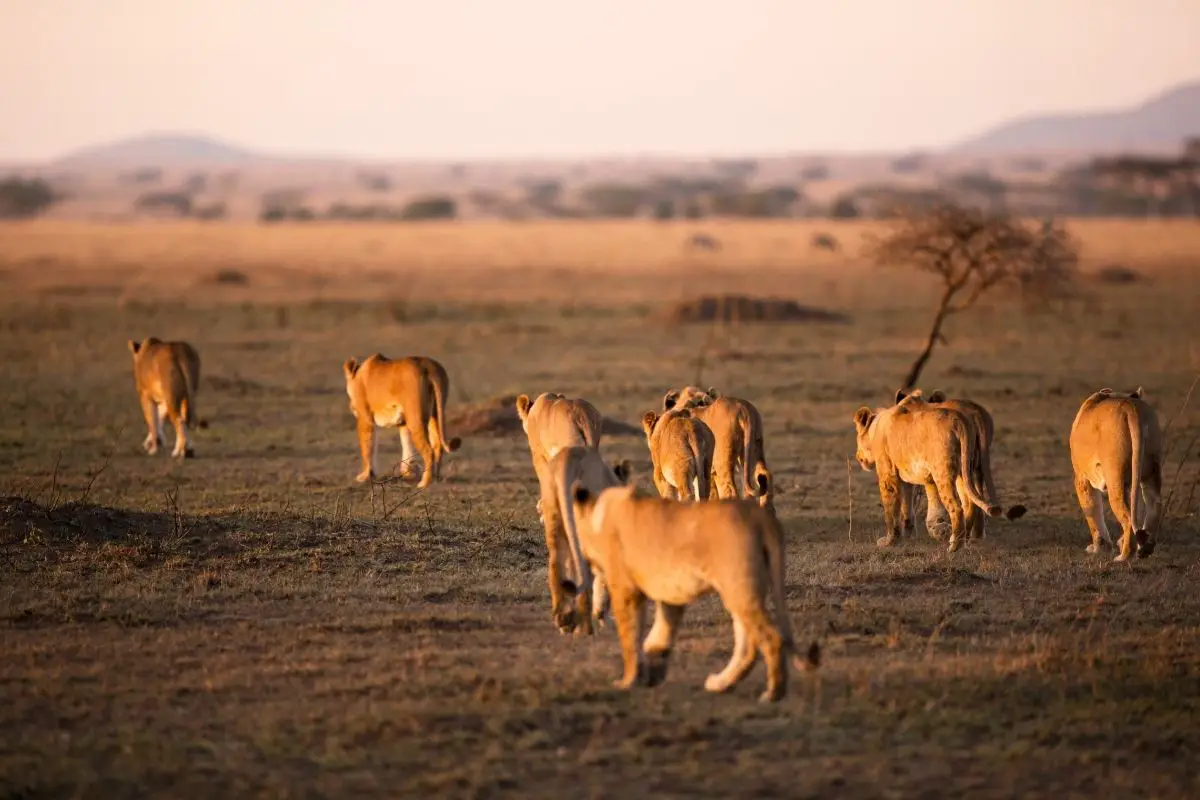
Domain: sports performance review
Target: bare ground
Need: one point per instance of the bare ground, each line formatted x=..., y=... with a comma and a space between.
x=252, y=622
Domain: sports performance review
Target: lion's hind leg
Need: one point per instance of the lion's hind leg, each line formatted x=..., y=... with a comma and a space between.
x=153, y=424
x=661, y=640
x=741, y=660
x=1091, y=502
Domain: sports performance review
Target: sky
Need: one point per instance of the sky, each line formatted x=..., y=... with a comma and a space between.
x=440, y=79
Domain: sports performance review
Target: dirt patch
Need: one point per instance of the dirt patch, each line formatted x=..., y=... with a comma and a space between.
x=741, y=308
x=497, y=416
x=1118, y=275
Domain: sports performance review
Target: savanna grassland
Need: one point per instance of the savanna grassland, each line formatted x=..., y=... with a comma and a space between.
x=252, y=622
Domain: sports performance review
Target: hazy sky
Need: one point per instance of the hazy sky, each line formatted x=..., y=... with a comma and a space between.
x=465, y=78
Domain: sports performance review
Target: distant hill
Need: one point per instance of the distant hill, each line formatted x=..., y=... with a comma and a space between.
x=1162, y=122
x=158, y=150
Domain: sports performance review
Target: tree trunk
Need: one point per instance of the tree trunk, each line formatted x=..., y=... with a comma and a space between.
x=935, y=333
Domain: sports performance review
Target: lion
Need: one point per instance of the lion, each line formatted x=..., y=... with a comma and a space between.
x=914, y=442
x=570, y=466
x=408, y=394
x=167, y=375
x=681, y=450
x=648, y=547
x=738, y=431
x=983, y=427
x=1116, y=449
x=552, y=423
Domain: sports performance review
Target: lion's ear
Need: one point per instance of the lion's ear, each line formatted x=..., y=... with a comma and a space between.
x=648, y=420
x=712, y=393
x=937, y=396
x=670, y=399
x=900, y=395
x=1105, y=390
x=623, y=469
x=133, y=346
x=1138, y=392
x=862, y=416
x=580, y=494
x=523, y=405
x=350, y=368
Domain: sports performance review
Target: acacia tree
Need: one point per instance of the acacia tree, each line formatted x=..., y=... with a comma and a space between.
x=973, y=252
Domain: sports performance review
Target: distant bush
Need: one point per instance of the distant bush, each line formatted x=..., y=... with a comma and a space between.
x=845, y=207
x=543, y=193
x=24, y=199
x=429, y=208
x=178, y=203
x=764, y=203
x=212, y=211
x=613, y=200
x=664, y=210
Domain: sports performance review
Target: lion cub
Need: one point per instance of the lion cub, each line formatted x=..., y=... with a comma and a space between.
x=167, y=375
x=408, y=394
x=1116, y=449
x=738, y=437
x=681, y=449
x=674, y=553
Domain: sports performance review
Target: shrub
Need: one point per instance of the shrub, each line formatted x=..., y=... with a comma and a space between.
x=24, y=199
x=429, y=208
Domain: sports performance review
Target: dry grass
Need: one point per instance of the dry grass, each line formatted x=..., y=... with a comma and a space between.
x=253, y=622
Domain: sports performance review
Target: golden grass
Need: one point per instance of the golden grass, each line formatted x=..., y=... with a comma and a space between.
x=485, y=261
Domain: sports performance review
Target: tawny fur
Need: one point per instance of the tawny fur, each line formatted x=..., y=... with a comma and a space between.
x=408, y=394
x=982, y=427
x=681, y=450
x=577, y=465
x=167, y=375
x=1116, y=449
x=916, y=443
x=674, y=553
x=553, y=423
x=737, y=432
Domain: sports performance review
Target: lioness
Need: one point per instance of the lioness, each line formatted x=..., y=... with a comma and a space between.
x=1116, y=449
x=408, y=394
x=570, y=466
x=167, y=375
x=983, y=428
x=681, y=450
x=674, y=553
x=555, y=422
x=914, y=442
x=738, y=436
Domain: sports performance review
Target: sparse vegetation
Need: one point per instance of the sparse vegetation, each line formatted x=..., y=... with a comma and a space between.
x=25, y=199
x=429, y=208
x=971, y=253
x=253, y=623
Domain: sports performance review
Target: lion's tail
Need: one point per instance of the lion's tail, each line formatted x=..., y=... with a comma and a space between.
x=773, y=545
x=968, y=460
x=448, y=445
x=1135, y=472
